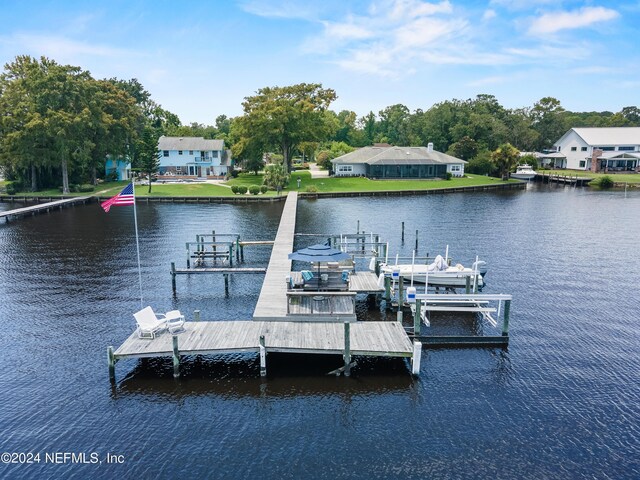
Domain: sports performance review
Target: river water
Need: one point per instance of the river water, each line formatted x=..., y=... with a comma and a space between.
x=563, y=401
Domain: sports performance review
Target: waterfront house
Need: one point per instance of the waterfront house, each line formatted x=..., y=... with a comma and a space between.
x=118, y=169
x=615, y=149
x=193, y=157
x=386, y=161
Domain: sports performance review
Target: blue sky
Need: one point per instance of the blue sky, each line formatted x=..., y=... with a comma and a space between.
x=199, y=59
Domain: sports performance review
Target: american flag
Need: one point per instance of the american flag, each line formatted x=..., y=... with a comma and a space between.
x=125, y=197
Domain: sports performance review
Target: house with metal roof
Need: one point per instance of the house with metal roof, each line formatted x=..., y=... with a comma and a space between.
x=193, y=157
x=615, y=149
x=380, y=162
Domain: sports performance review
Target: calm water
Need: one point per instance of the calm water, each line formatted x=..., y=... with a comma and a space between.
x=562, y=402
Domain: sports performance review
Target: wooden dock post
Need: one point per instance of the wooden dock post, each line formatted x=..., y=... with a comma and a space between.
x=242, y=253
x=231, y=254
x=416, y=357
x=402, y=238
x=213, y=239
x=226, y=284
x=347, y=349
x=467, y=286
x=176, y=357
x=417, y=321
x=196, y=315
x=173, y=276
x=263, y=357
x=387, y=289
x=238, y=248
x=358, y=228
x=416, y=249
x=112, y=363
x=400, y=298
x=505, y=323
x=188, y=259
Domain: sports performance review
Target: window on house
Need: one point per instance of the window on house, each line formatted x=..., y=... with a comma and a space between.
x=573, y=149
x=345, y=168
x=165, y=153
x=190, y=152
x=179, y=169
x=455, y=168
x=607, y=149
x=626, y=149
x=582, y=163
x=214, y=154
x=179, y=152
x=583, y=149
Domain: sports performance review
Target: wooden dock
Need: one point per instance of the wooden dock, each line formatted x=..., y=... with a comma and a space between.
x=387, y=339
x=42, y=207
x=272, y=302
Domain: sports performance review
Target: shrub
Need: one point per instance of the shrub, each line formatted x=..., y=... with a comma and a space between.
x=604, y=182
x=235, y=173
x=448, y=176
x=254, y=189
x=242, y=189
x=264, y=189
x=11, y=188
x=234, y=188
x=311, y=189
x=86, y=188
x=74, y=187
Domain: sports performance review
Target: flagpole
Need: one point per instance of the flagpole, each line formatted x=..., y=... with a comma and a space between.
x=135, y=221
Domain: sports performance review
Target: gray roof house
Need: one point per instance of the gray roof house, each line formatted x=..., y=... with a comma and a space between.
x=385, y=161
x=194, y=157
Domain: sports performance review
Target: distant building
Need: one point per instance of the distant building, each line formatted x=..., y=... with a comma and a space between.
x=615, y=149
x=119, y=169
x=193, y=157
x=385, y=161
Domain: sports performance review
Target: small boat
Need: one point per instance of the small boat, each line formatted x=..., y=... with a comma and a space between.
x=524, y=172
x=439, y=273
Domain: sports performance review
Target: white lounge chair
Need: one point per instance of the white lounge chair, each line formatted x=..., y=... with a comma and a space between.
x=175, y=321
x=150, y=324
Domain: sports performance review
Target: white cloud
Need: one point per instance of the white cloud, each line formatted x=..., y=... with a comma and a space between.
x=522, y=4
x=556, y=21
x=60, y=48
x=291, y=9
x=489, y=14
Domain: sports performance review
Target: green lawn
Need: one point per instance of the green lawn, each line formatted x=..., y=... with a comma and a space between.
x=183, y=190
x=616, y=177
x=111, y=188
x=361, y=184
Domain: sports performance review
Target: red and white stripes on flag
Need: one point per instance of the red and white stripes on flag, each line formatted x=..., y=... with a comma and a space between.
x=125, y=197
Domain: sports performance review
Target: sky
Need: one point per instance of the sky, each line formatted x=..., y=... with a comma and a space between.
x=201, y=58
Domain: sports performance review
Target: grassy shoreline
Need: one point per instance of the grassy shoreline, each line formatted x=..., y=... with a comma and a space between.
x=633, y=178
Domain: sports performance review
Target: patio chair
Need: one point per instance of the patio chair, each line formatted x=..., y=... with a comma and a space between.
x=150, y=324
x=175, y=321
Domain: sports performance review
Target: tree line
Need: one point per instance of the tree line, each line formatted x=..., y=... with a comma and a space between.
x=58, y=125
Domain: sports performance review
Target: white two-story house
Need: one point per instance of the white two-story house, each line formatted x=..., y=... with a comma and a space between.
x=193, y=157
x=598, y=149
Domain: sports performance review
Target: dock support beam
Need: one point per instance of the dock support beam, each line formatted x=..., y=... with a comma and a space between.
x=226, y=284
x=347, y=349
x=263, y=357
x=176, y=357
x=173, y=276
x=416, y=357
x=416, y=318
x=505, y=323
x=111, y=360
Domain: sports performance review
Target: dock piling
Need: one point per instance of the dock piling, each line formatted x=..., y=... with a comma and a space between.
x=387, y=289
x=173, y=276
x=416, y=249
x=467, y=286
x=402, y=237
x=416, y=357
x=176, y=357
x=188, y=259
x=263, y=357
x=112, y=363
x=347, y=349
x=196, y=315
x=505, y=323
x=416, y=318
x=226, y=284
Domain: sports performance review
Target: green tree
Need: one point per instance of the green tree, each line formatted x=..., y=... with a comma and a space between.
x=282, y=117
x=146, y=158
x=549, y=121
x=276, y=176
x=505, y=157
x=253, y=164
x=466, y=148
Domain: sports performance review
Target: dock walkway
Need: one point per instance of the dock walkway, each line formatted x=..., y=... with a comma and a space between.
x=272, y=302
x=366, y=338
x=42, y=207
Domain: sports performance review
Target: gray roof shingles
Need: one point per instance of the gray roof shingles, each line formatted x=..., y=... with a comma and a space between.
x=396, y=156
x=189, y=143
